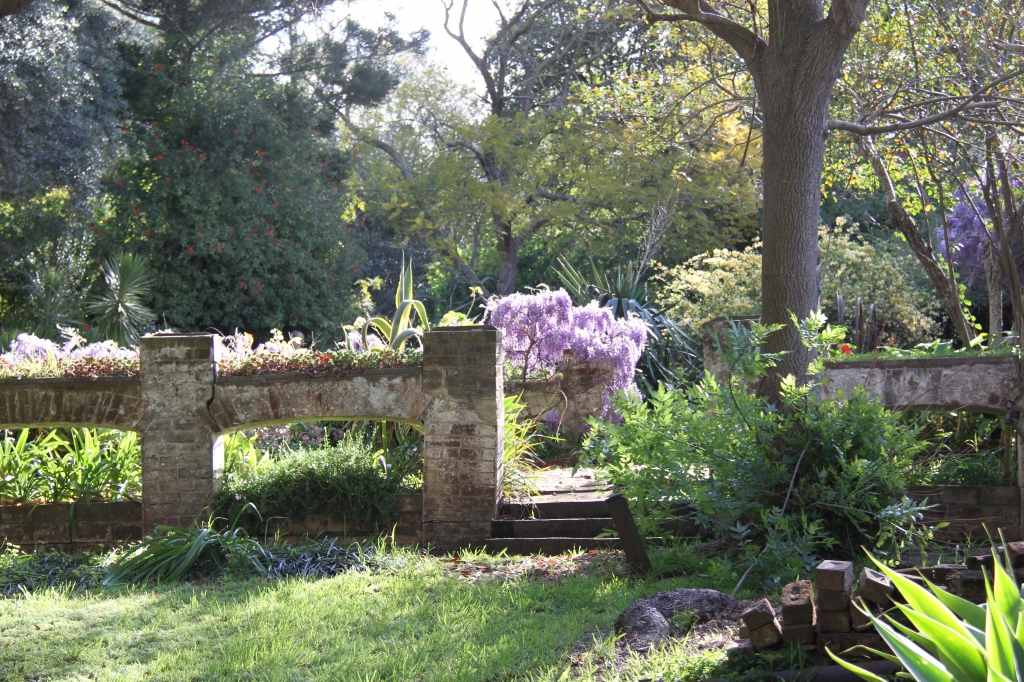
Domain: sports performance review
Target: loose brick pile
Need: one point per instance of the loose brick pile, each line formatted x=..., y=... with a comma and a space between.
x=834, y=617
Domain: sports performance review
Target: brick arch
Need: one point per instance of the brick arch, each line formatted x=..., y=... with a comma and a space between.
x=109, y=402
x=245, y=402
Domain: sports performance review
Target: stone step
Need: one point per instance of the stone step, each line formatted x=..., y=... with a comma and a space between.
x=549, y=546
x=550, y=528
x=559, y=509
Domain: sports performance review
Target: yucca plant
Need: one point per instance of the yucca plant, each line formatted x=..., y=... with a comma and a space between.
x=399, y=330
x=118, y=312
x=954, y=640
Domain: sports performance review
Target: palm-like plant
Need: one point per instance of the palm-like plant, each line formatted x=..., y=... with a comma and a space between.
x=118, y=312
x=954, y=640
x=399, y=330
x=669, y=346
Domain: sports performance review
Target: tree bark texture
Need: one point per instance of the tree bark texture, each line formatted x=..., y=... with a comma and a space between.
x=11, y=6
x=994, y=284
x=794, y=74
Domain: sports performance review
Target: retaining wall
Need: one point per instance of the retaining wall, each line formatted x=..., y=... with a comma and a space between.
x=970, y=509
x=71, y=527
x=182, y=411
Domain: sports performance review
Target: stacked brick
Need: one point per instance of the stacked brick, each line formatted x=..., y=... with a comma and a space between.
x=832, y=617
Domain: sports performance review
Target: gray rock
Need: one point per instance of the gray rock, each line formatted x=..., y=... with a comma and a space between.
x=646, y=621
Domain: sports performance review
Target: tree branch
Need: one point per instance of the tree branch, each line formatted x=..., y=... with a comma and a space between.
x=859, y=129
x=738, y=36
x=361, y=135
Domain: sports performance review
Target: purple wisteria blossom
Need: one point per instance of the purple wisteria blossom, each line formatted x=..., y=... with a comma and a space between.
x=537, y=329
x=970, y=226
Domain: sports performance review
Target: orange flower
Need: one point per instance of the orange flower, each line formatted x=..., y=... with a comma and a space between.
x=159, y=67
x=159, y=157
x=846, y=349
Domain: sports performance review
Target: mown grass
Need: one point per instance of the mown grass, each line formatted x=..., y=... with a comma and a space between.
x=420, y=620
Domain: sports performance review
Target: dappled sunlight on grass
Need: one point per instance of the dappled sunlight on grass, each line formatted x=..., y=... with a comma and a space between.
x=420, y=620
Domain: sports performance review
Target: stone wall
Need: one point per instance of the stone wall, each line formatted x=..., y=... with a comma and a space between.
x=182, y=411
x=970, y=509
x=70, y=527
x=576, y=395
x=463, y=434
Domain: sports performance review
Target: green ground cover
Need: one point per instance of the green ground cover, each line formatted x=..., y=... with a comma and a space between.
x=423, y=618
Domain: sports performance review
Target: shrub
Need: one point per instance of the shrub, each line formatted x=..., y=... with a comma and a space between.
x=201, y=550
x=345, y=481
x=881, y=270
x=537, y=330
x=787, y=482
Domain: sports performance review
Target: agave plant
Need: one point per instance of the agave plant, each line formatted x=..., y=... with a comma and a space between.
x=399, y=330
x=954, y=640
x=118, y=312
x=669, y=346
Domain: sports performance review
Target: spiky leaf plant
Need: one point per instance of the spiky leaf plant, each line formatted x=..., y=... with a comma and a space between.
x=399, y=330
x=118, y=312
x=951, y=638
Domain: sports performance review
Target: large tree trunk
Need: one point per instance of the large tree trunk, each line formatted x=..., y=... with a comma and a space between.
x=794, y=82
x=508, y=256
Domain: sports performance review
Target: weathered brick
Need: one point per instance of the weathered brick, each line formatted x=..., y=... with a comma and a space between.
x=766, y=636
x=832, y=600
x=834, y=621
x=758, y=614
x=797, y=603
x=876, y=587
x=834, y=575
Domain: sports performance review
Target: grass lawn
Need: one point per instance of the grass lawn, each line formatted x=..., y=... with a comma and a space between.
x=424, y=618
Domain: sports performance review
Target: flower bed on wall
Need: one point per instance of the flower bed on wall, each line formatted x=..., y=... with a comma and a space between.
x=32, y=357
x=280, y=357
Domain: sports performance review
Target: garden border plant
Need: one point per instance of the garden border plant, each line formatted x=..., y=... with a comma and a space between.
x=784, y=483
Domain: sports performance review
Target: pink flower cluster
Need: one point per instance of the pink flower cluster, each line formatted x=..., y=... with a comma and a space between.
x=537, y=330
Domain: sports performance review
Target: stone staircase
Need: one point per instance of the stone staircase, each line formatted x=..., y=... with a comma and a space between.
x=569, y=513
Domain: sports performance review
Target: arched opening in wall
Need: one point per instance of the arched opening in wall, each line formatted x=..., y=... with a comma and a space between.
x=965, y=471
x=962, y=447
x=65, y=465
x=69, y=488
x=348, y=479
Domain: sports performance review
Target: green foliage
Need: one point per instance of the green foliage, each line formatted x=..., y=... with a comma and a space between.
x=70, y=465
x=950, y=639
x=344, y=481
x=519, y=459
x=961, y=448
x=399, y=330
x=118, y=312
x=787, y=483
x=22, y=573
x=174, y=552
x=879, y=268
x=234, y=195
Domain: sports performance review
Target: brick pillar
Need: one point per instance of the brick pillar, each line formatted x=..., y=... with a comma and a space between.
x=178, y=440
x=464, y=434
